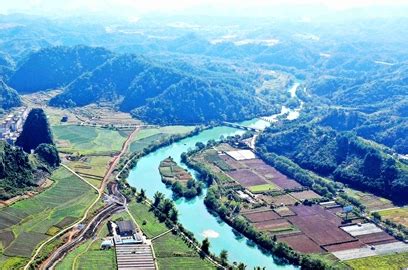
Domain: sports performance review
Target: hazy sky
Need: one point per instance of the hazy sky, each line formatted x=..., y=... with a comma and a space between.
x=137, y=7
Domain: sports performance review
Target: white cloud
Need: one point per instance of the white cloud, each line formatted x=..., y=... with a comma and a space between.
x=170, y=6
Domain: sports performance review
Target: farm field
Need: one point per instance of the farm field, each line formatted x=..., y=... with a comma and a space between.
x=92, y=168
x=173, y=253
x=30, y=220
x=148, y=223
x=262, y=188
x=274, y=204
x=397, y=215
x=87, y=140
x=149, y=136
x=370, y=201
x=386, y=262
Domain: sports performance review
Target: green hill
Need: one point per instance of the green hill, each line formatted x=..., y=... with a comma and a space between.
x=20, y=171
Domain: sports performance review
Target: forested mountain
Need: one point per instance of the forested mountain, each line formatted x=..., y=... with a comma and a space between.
x=341, y=156
x=55, y=67
x=20, y=172
x=8, y=96
x=36, y=131
x=159, y=94
x=370, y=100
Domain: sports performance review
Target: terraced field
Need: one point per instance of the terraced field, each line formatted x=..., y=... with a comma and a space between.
x=87, y=140
x=30, y=220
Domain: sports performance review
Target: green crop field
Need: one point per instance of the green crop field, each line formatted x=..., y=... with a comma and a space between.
x=92, y=168
x=68, y=196
x=87, y=140
x=149, y=136
x=150, y=226
x=386, y=262
x=397, y=215
x=262, y=188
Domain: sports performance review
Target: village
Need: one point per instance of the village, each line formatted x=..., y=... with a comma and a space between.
x=12, y=124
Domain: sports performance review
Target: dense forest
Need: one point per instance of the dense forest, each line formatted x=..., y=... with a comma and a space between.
x=340, y=155
x=20, y=171
x=8, y=96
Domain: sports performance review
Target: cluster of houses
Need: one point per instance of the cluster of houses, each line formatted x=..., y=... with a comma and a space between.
x=12, y=125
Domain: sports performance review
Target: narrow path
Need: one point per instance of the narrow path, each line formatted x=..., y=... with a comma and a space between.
x=116, y=160
x=160, y=235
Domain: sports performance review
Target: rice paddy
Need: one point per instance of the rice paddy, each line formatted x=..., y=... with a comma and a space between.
x=33, y=220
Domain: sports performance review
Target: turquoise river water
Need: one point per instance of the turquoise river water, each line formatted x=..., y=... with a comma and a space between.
x=192, y=213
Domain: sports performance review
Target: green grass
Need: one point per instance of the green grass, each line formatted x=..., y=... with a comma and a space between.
x=177, y=263
x=87, y=140
x=149, y=224
x=173, y=253
x=262, y=188
x=68, y=196
x=149, y=136
x=386, y=262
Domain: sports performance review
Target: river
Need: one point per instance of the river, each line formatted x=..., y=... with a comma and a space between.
x=193, y=214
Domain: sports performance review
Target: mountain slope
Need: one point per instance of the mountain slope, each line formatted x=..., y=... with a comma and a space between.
x=56, y=67
x=8, y=96
x=161, y=94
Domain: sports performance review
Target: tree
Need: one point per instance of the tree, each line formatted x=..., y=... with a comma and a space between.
x=142, y=195
x=36, y=131
x=377, y=216
x=157, y=198
x=224, y=257
x=167, y=206
x=174, y=215
x=372, y=164
x=241, y=266
x=205, y=246
x=49, y=154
